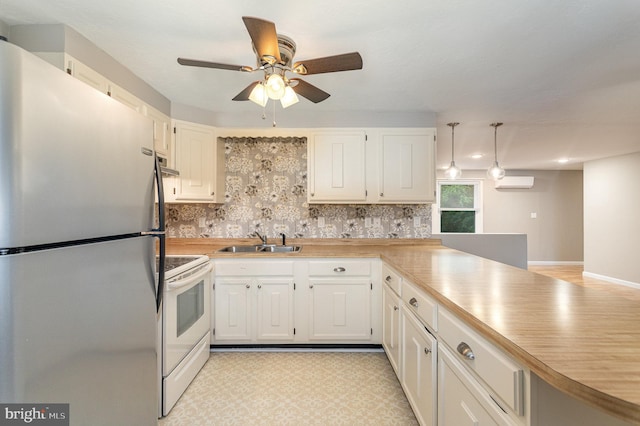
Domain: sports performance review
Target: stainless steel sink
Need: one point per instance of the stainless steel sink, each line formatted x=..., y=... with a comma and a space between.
x=269, y=248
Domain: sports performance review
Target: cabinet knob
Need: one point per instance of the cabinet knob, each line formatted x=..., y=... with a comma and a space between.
x=413, y=302
x=213, y=193
x=312, y=194
x=465, y=351
x=310, y=285
x=248, y=285
x=395, y=308
x=388, y=279
x=339, y=269
x=427, y=351
x=382, y=194
x=259, y=285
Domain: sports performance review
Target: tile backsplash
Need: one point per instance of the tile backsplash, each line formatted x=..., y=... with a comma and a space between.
x=266, y=191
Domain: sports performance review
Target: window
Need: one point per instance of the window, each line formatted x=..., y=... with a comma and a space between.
x=459, y=207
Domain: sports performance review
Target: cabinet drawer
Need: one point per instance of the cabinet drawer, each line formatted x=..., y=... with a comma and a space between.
x=420, y=304
x=339, y=268
x=392, y=279
x=500, y=373
x=253, y=268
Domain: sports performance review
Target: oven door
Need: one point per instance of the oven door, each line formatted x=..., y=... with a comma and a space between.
x=187, y=315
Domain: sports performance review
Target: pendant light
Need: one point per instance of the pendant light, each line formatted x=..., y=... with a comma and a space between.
x=495, y=172
x=453, y=172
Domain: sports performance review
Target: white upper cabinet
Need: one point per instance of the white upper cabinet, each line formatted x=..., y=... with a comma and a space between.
x=200, y=160
x=407, y=166
x=336, y=167
x=161, y=133
x=86, y=74
x=375, y=166
x=125, y=97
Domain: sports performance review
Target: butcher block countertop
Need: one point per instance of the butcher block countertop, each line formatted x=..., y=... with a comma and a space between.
x=583, y=341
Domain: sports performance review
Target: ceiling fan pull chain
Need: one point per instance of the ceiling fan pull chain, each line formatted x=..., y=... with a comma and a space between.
x=274, y=113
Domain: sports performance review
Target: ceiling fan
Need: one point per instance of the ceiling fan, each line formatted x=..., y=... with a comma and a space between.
x=275, y=54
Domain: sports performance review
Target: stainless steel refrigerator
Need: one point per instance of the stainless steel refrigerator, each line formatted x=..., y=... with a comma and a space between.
x=78, y=286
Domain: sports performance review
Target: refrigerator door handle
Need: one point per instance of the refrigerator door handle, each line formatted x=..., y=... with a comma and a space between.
x=160, y=232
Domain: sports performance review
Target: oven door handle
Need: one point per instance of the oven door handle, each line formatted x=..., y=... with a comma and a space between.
x=191, y=278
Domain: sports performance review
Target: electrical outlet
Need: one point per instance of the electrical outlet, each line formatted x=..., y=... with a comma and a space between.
x=534, y=215
x=321, y=222
x=416, y=221
x=367, y=222
x=376, y=221
x=202, y=222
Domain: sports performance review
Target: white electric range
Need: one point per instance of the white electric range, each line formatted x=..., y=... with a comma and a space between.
x=184, y=326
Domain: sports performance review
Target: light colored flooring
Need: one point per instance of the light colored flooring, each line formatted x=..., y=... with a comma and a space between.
x=293, y=388
x=573, y=274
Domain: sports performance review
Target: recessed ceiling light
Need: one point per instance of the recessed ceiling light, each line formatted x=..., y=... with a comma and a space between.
x=563, y=160
x=476, y=156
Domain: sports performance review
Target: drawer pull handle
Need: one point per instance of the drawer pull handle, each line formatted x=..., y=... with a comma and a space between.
x=427, y=351
x=465, y=351
x=388, y=279
x=413, y=302
x=339, y=269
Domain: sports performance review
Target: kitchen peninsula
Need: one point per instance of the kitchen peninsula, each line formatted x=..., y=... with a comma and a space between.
x=581, y=341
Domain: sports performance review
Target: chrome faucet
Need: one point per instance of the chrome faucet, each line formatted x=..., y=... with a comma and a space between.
x=263, y=239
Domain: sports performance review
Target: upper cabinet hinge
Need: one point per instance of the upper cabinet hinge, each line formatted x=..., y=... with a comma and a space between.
x=174, y=130
x=294, y=286
x=214, y=286
x=372, y=331
x=371, y=286
x=366, y=137
x=294, y=331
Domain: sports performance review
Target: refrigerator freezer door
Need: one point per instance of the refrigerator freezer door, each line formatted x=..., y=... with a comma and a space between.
x=72, y=165
x=78, y=326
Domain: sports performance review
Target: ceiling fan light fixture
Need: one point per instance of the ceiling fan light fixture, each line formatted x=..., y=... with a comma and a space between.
x=453, y=172
x=289, y=97
x=275, y=86
x=495, y=172
x=259, y=95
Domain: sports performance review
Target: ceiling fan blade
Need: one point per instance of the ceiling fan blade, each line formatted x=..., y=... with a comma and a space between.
x=244, y=95
x=264, y=38
x=344, y=62
x=205, y=64
x=309, y=91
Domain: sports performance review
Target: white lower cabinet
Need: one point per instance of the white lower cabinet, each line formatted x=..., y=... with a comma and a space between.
x=461, y=400
x=419, y=368
x=391, y=327
x=253, y=303
x=340, y=295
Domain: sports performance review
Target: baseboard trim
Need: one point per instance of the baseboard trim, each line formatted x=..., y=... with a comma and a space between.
x=611, y=280
x=297, y=348
x=554, y=262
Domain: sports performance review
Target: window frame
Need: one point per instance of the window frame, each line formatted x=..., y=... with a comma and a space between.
x=477, y=203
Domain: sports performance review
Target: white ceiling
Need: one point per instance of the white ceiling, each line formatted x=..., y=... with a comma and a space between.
x=564, y=76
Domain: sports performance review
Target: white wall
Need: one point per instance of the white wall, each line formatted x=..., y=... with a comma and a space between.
x=556, y=234
x=612, y=217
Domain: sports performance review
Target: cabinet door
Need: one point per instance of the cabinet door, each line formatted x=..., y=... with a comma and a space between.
x=125, y=97
x=340, y=309
x=161, y=133
x=457, y=404
x=86, y=74
x=232, y=313
x=419, y=369
x=407, y=170
x=391, y=327
x=336, y=165
x=195, y=161
x=275, y=309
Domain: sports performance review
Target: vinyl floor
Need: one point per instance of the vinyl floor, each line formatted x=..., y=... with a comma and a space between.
x=293, y=388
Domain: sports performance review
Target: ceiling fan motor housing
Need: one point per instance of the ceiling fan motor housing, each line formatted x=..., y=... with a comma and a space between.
x=287, y=48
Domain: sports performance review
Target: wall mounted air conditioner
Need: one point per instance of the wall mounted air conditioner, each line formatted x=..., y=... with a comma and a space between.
x=515, y=182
